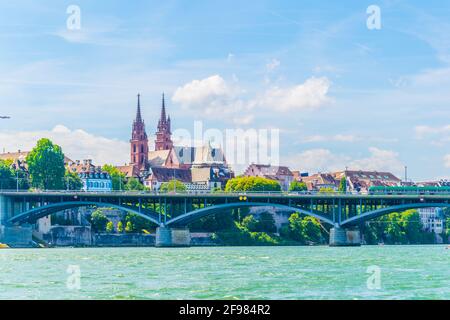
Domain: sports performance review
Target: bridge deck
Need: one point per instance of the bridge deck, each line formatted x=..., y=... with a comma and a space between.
x=150, y=195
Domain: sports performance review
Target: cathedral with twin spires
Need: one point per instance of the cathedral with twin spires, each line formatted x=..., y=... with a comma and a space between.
x=198, y=168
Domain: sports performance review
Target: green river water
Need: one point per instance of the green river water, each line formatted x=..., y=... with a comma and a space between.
x=405, y=272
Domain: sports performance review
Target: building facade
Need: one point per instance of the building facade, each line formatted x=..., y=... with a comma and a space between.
x=93, y=177
x=280, y=174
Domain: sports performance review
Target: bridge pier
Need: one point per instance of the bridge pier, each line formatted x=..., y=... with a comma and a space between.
x=341, y=237
x=172, y=237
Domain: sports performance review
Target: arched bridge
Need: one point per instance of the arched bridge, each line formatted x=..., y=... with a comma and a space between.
x=177, y=211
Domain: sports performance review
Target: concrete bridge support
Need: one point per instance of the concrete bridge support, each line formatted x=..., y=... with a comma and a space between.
x=172, y=237
x=14, y=236
x=341, y=237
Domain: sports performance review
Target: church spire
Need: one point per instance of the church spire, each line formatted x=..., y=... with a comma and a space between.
x=163, y=135
x=163, y=109
x=138, y=112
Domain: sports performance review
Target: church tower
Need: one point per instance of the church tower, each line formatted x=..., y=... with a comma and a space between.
x=139, y=140
x=163, y=135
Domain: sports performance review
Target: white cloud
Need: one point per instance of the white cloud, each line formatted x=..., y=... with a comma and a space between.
x=323, y=160
x=76, y=144
x=312, y=94
x=212, y=95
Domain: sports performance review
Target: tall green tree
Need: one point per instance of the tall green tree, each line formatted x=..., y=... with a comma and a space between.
x=343, y=185
x=46, y=166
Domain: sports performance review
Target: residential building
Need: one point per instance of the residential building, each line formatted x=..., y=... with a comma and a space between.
x=160, y=175
x=280, y=174
x=319, y=181
x=432, y=219
x=361, y=181
x=93, y=178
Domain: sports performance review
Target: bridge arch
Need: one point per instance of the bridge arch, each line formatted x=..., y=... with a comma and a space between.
x=384, y=211
x=40, y=212
x=185, y=219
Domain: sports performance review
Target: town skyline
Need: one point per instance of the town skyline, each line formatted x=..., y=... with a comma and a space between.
x=329, y=84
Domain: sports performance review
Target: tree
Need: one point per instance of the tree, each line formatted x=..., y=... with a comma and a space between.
x=412, y=226
x=243, y=184
x=312, y=230
x=172, y=185
x=250, y=223
x=394, y=232
x=129, y=227
x=137, y=223
x=295, y=229
x=298, y=186
x=72, y=181
x=109, y=227
x=343, y=185
x=6, y=176
x=98, y=221
x=46, y=165
x=120, y=227
x=134, y=184
x=117, y=177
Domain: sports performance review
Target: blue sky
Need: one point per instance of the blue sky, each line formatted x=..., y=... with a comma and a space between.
x=342, y=95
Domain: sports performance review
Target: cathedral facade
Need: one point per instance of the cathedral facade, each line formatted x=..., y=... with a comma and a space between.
x=202, y=167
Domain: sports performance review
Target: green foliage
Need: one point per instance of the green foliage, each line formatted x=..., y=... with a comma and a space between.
x=343, y=185
x=98, y=221
x=213, y=223
x=120, y=227
x=135, y=223
x=117, y=177
x=303, y=230
x=297, y=186
x=129, y=227
x=134, y=184
x=249, y=223
x=397, y=228
x=243, y=184
x=9, y=176
x=173, y=185
x=6, y=176
x=327, y=190
x=240, y=236
x=46, y=166
x=265, y=223
x=72, y=181
x=109, y=227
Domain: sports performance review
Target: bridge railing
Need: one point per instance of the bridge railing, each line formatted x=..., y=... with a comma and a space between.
x=218, y=193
